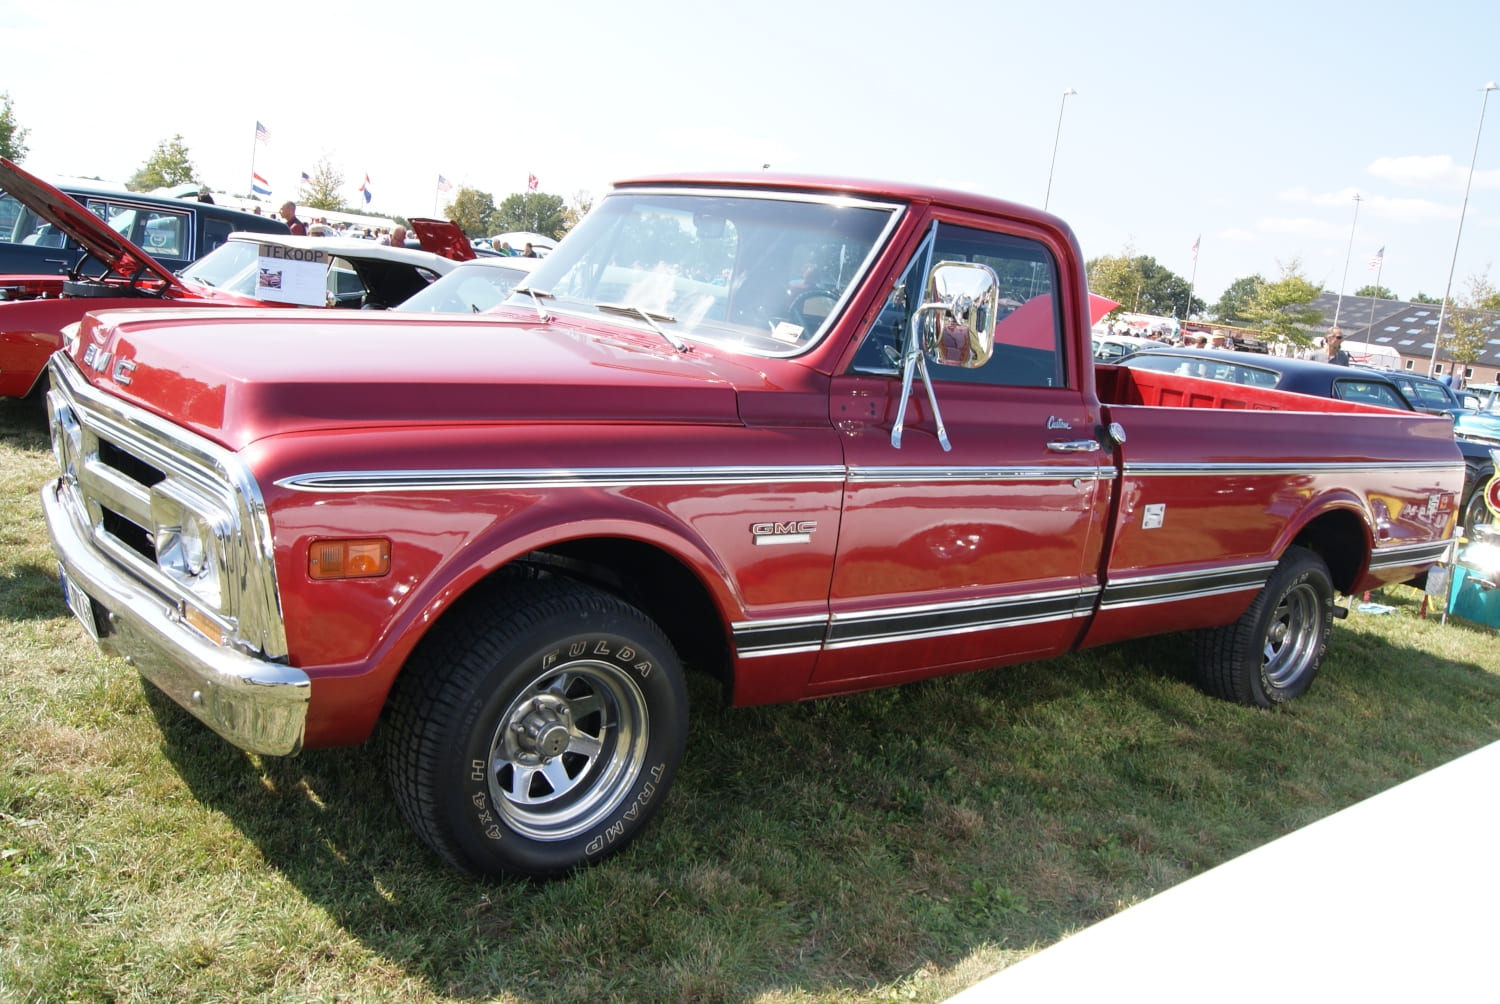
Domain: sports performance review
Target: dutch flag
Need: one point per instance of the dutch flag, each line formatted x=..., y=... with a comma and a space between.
x=259, y=185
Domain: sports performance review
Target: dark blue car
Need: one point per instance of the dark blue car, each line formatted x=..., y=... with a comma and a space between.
x=175, y=231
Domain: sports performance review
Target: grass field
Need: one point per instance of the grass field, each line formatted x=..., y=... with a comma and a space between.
x=899, y=845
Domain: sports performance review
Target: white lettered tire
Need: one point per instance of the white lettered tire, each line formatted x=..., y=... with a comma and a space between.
x=1272, y=653
x=536, y=730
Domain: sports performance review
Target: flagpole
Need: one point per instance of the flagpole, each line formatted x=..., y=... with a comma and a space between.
x=1370, y=328
x=1193, y=282
x=253, y=143
x=1339, y=305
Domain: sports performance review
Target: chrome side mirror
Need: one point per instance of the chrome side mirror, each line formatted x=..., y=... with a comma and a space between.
x=958, y=322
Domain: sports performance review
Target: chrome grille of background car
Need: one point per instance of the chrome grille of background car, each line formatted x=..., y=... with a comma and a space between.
x=115, y=460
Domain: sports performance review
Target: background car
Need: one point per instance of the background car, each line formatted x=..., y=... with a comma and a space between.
x=472, y=287
x=1476, y=432
x=173, y=231
x=1347, y=383
x=37, y=308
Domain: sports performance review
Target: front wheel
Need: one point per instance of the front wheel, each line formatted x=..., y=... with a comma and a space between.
x=537, y=730
x=1272, y=653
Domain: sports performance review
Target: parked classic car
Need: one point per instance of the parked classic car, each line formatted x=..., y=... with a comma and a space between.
x=472, y=287
x=355, y=273
x=174, y=231
x=1476, y=432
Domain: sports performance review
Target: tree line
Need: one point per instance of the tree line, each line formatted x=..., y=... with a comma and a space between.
x=1279, y=308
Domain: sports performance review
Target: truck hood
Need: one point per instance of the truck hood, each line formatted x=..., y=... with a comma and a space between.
x=73, y=218
x=238, y=376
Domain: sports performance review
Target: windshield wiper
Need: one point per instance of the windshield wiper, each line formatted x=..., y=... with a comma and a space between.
x=631, y=310
x=536, y=299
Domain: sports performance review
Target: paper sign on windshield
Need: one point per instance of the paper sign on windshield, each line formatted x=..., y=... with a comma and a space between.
x=292, y=275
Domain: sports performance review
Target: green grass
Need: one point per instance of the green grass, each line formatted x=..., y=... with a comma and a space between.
x=898, y=845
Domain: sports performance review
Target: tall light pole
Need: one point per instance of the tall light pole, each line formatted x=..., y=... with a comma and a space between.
x=1060, y=109
x=1344, y=281
x=1437, y=336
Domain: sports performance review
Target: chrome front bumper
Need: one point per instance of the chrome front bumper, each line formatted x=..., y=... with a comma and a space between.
x=256, y=704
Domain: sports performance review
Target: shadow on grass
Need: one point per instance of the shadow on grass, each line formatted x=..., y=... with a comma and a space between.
x=839, y=846
x=31, y=593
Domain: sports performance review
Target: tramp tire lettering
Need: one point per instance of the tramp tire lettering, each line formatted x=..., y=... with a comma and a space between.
x=1272, y=653
x=536, y=730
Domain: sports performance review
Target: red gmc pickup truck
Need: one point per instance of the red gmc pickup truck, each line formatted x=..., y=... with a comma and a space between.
x=809, y=437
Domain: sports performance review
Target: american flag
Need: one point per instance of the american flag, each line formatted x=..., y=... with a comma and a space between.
x=306, y=180
x=262, y=134
x=1195, y=246
x=444, y=185
x=1377, y=259
x=531, y=182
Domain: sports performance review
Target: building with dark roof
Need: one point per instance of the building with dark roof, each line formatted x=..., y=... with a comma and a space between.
x=1409, y=329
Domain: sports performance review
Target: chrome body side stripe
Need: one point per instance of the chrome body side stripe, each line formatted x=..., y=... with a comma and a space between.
x=859, y=475
x=1407, y=554
x=1280, y=468
x=602, y=477
x=1148, y=589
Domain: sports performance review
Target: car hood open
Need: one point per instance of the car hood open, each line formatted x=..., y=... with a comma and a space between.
x=91, y=233
x=443, y=237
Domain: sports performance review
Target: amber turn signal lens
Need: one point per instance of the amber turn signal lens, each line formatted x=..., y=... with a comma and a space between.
x=348, y=559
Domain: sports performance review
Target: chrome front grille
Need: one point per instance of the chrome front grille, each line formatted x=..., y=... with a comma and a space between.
x=123, y=468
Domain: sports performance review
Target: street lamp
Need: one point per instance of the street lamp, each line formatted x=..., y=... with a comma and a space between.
x=1437, y=336
x=1048, y=198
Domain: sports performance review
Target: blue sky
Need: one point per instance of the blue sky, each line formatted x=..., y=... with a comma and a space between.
x=1252, y=126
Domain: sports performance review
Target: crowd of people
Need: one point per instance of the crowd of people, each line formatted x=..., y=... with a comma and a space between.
x=396, y=235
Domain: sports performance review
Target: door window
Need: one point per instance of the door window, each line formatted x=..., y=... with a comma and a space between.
x=1028, y=332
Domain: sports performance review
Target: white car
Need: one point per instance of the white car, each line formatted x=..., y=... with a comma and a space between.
x=317, y=271
x=473, y=287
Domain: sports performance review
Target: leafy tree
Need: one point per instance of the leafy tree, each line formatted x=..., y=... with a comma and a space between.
x=536, y=212
x=1231, y=306
x=1468, y=324
x=1378, y=292
x=1424, y=298
x=322, y=190
x=12, y=133
x=1138, y=283
x=1283, y=309
x=583, y=201
x=471, y=209
x=168, y=165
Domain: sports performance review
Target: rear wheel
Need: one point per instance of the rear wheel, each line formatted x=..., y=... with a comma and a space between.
x=537, y=731
x=1272, y=653
x=1475, y=510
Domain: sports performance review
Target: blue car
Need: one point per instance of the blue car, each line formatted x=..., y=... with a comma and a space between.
x=176, y=232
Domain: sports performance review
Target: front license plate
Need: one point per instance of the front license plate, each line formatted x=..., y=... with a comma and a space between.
x=80, y=603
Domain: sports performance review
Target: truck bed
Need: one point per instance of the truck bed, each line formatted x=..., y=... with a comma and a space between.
x=1124, y=385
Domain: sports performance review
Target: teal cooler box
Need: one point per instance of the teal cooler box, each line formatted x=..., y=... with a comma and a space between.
x=1475, y=595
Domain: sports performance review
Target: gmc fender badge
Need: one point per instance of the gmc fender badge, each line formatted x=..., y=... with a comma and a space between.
x=96, y=358
x=791, y=532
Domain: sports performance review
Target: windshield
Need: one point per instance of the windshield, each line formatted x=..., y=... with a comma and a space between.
x=756, y=272
x=468, y=289
x=226, y=267
x=1228, y=370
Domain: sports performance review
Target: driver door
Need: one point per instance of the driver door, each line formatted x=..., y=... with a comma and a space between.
x=988, y=552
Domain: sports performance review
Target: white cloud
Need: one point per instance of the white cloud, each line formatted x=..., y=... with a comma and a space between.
x=1300, y=226
x=1435, y=171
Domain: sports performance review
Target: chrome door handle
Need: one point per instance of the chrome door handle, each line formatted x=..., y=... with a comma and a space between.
x=1074, y=446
